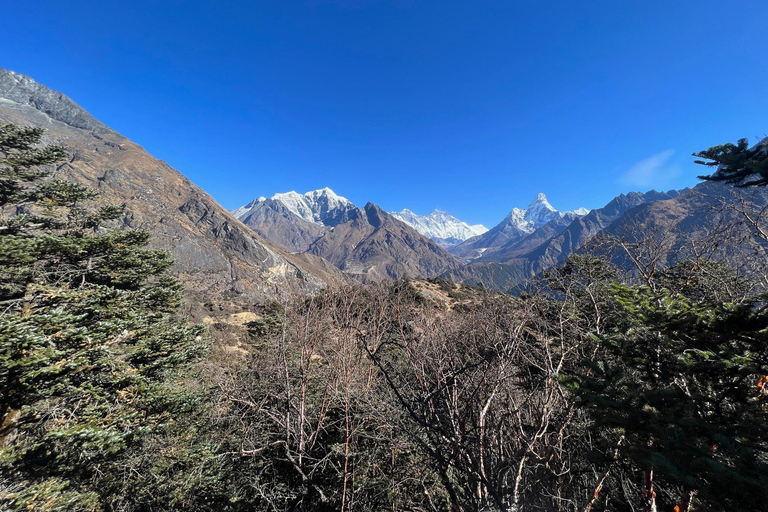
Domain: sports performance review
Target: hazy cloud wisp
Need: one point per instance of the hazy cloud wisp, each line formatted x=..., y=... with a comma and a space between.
x=653, y=172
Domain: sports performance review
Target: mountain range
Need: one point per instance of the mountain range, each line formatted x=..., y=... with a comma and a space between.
x=516, y=225
x=294, y=243
x=367, y=242
x=509, y=264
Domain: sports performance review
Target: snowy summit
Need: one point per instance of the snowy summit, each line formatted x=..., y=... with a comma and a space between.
x=441, y=227
x=316, y=206
x=538, y=213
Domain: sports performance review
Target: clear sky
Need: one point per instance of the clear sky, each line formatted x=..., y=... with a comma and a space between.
x=469, y=107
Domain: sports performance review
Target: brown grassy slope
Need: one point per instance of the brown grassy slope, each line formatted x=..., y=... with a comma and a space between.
x=216, y=256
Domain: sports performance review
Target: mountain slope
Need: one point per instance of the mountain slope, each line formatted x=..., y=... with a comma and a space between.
x=700, y=223
x=215, y=254
x=317, y=206
x=281, y=225
x=580, y=231
x=294, y=221
x=374, y=246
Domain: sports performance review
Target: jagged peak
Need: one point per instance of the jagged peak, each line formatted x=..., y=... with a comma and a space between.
x=318, y=206
x=515, y=213
x=312, y=195
x=290, y=193
x=374, y=214
x=325, y=191
x=540, y=201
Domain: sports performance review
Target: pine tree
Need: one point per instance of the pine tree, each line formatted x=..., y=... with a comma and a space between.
x=736, y=163
x=90, y=350
x=678, y=379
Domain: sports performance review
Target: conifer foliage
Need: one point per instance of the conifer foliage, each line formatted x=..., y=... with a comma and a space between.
x=678, y=379
x=737, y=163
x=90, y=351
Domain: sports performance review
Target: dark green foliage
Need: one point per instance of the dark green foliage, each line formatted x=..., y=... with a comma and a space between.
x=737, y=164
x=90, y=354
x=20, y=161
x=269, y=323
x=678, y=379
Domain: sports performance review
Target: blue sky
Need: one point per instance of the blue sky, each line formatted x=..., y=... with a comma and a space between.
x=469, y=107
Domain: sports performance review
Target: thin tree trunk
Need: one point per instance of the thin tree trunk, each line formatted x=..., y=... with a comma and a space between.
x=348, y=435
x=650, y=493
x=596, y=494
x=687, y=502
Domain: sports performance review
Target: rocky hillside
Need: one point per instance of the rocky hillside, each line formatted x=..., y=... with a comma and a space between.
x=216, y=255
x=659, y=228
x=705, y=222
x=374, y=246
x=294, y=221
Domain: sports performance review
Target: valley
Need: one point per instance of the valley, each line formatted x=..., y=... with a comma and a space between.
x=300, y=352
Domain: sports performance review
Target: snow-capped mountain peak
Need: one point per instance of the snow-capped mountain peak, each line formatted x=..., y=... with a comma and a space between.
x=440, y=226
x=539, y=211
x=327, y=208
x=316, y=206
x=580, y=211
x=516, y=215
x=325, y=202
x=536, y=214
x=296, y=203
x=540, y=202
x=243, y=210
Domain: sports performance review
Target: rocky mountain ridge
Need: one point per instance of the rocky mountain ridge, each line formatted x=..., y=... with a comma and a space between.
x=317, y=206
x=216, y=256
x=515, y=261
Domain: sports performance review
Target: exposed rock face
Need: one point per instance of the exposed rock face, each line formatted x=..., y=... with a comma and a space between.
x=294, y=221
x=279, y=224
x=374, y=245
x=531, y=241
x=216, y=255
x=580, y=231
x=24, y=90
x=317, y=206
x=703, y=222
